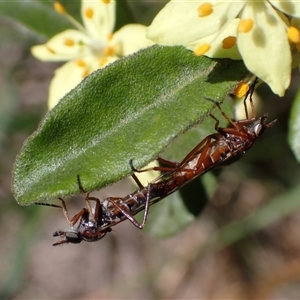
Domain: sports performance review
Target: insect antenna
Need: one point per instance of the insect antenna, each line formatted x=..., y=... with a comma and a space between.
x=63, y=207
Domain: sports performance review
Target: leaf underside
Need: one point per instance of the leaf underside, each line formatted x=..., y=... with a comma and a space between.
x=131, y=109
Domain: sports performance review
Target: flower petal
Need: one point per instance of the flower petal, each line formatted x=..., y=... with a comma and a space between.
x=178, y=23
x=104, y=61
x=130, y=38
x=71, y=74
x=65, y=79
x=291, y=8
x=216, y=42
x=265, y=48
x=146, y=177
x=66, y=45
x=98, y=17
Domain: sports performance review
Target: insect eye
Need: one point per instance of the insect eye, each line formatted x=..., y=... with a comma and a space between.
x=73, y=237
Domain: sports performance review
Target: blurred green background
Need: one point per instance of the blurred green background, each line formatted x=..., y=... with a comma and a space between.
x=245, y=244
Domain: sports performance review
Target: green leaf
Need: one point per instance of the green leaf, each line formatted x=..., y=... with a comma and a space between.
x=294, y=127
x=38, y=16
x=132, y=109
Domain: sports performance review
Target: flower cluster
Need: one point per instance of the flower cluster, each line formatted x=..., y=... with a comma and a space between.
x=88, y=47
x=265, y=34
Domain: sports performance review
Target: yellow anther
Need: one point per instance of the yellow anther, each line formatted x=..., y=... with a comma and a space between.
x=80, y=63
x=89, y=13
x=229, y=42
x=106, y=1
x=293, y=35
x=109, y=36
x=241, y=90
x=201, y=49
x=85, y=73
x=245, y=25
x=69, y=42
x=109, y=51
x=205, y=9
x=59, y=8
x=102, y=61
x=50, y=49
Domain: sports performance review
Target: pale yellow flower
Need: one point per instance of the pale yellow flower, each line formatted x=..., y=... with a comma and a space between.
x=148, y=176
x=88, y=47
x=256, y=31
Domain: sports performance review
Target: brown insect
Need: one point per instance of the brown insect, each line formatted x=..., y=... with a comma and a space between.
x=217, y=149
x=86, y=225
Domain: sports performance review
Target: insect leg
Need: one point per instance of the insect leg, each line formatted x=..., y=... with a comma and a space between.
x=125, y=212
x=87, y=201
x=147, y=205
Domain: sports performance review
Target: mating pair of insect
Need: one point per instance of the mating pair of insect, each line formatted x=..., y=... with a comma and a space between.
x=92, y=224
